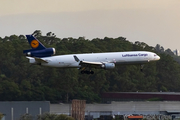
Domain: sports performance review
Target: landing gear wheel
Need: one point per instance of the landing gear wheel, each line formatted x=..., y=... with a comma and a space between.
x=87, y=72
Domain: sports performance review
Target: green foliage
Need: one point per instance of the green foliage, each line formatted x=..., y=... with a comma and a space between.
x=118, y=117
x=64, y=117
x=21, y=81
x=48, y=116
x=26, y=117
x=155, y=99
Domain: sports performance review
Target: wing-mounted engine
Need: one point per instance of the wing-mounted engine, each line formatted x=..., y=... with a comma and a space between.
x=108, y=66
x=40, y=53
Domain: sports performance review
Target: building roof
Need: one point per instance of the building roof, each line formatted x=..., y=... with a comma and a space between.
x=140, y=96
x=168, y=93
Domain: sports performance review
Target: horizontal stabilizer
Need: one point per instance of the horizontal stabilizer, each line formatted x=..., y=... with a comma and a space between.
x=36, y=60
x=40, y=60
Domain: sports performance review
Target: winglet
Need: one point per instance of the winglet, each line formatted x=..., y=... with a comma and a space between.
x=76, y=58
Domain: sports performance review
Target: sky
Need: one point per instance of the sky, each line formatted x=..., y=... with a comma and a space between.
x=150, y=21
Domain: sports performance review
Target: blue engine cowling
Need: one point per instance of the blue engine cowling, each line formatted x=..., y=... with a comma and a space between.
x=41, y=53
x=108, y=66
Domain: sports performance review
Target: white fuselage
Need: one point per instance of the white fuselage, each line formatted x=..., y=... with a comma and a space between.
x=68, y=61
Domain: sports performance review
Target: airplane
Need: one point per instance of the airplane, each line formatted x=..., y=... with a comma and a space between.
x=40, y=55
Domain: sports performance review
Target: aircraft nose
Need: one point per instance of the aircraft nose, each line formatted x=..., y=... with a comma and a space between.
x=157, y=57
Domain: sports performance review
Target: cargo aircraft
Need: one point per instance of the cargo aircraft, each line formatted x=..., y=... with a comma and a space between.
x=41, y=55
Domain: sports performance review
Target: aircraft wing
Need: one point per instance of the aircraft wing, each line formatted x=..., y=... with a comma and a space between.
x=88, y=63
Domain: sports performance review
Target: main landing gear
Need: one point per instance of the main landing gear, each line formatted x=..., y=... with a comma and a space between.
x=87, y=72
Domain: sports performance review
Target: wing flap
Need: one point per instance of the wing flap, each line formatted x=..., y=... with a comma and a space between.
x=87, y=63
x=90, y=63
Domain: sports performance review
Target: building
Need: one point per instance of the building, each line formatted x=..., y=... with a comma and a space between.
x=15, y=109
x=149, y=104
x=165, y=108
x=140, y=96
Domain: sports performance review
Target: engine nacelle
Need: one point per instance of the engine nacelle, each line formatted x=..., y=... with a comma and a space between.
x=108, y=66
x=42, y=53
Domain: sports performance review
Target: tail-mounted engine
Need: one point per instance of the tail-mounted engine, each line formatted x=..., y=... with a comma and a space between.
x=40, y=53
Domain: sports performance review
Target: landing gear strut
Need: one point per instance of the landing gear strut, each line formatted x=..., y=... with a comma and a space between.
x=86, y=70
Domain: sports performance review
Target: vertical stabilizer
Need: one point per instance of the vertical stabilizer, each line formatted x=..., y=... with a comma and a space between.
x=38, y=49
x=34, y=43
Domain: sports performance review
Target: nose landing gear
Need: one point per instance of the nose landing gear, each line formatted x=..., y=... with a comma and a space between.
x=142, y=68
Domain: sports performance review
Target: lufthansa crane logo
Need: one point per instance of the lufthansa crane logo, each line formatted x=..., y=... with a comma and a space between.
x=34, y=43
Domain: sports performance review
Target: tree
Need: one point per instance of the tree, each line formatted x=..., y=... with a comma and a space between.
x=50, y=34
x=20, y=80
x=169, y=52
x=26, y=117
x=48, y=116
x=64, y=117
x=37, y=33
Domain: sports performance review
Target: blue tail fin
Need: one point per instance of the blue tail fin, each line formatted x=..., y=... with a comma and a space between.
x=34, y=43
x=38, y=49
